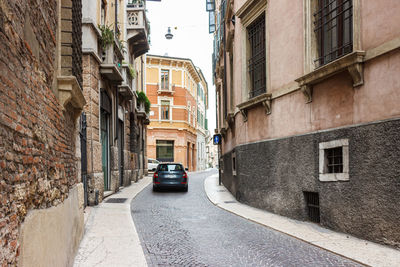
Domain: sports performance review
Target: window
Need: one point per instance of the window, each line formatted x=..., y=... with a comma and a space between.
x=256, y=62
x=211, y=22
x=165, y=150
x=165, y=110
x=210, y=5
x=333, y=26
x=103, y=13
x=189, y=112
x=170, y=167
x=165, y=79
x=334, y=161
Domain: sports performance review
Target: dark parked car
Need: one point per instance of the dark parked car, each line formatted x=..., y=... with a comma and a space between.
x=170, y=175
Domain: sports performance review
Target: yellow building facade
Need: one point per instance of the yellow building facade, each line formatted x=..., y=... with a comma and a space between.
x=171, y=86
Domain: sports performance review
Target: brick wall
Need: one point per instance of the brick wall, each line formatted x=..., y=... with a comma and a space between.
x=37, y=159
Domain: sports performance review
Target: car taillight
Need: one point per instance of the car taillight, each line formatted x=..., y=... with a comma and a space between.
x=185, y=175
x=155, y=175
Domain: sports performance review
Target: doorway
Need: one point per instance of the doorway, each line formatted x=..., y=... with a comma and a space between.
x=105, y=117
x=105, y=147
x=121, y=151
x=165, y=150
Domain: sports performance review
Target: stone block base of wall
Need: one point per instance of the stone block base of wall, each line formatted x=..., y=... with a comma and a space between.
x=275, y=174
x=51, y=237
x=95, y=184
x=114, y=186
x=127, y=177
x=135, y=177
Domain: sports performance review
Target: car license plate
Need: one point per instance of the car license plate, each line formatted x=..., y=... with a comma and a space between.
x=169, y=176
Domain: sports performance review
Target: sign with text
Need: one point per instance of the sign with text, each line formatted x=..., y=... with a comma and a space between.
x=217, y=138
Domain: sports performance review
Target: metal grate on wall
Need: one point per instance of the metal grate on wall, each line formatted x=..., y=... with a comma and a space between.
x=77, y=40
x=256, y=63
x=312, y=203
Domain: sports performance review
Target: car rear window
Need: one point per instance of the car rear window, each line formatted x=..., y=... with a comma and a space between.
x=170, y=167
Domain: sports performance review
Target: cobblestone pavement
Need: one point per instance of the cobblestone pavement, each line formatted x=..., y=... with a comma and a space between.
x=186, y=229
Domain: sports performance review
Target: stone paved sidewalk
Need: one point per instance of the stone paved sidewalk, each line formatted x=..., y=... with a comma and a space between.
x=110, y=237
x=362, y=251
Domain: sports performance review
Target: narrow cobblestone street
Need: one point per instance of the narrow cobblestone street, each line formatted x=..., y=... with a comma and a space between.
x=186, y=229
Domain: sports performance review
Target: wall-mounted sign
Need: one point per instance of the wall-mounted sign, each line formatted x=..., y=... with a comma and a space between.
x=217, y=138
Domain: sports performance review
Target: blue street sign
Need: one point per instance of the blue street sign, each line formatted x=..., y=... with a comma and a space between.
x=217, y=139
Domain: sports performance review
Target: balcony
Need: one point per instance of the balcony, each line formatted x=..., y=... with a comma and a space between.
x=126, y=87
x=111, y=67
x=166, y=88
x=141, y=114
x=138, y=28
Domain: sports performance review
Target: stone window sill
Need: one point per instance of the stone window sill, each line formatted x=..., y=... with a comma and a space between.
x=264, y=99
x=351, y=63
x=334, y=177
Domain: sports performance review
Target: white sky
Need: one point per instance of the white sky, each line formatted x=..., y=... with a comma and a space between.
x=191, y=38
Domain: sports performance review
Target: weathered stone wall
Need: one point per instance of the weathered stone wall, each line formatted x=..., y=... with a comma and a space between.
x=37, y=136
x=272, y=175
x=91, y=91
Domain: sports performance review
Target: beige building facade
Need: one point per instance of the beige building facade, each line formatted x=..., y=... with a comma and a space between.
x=307, y=95
x=115, y=40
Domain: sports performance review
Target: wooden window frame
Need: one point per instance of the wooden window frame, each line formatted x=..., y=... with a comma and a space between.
x=164, y=83
x=165, y=110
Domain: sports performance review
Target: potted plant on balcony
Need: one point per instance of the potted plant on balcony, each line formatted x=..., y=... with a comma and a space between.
x=143, y=100
x=107, y=36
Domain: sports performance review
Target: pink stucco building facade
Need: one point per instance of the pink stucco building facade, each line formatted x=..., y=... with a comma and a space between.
x=308, y=99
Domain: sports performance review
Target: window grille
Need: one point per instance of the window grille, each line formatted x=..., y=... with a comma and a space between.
x=333, y=26
x=256, y=63
x=165, y=110
x=77, y=40
x=312, y=202
x=335, y=160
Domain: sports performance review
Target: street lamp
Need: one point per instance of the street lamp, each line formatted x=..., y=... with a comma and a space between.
x=169, y=35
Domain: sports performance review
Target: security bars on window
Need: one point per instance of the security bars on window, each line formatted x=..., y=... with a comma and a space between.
x=256, y=63
x=333, y=28
x=335, y=160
